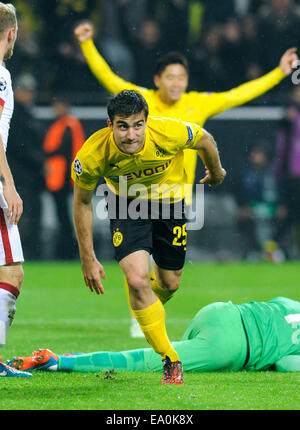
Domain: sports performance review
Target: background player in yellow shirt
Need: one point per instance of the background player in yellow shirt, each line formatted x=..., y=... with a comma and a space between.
x=128, y=147
x=171, y=99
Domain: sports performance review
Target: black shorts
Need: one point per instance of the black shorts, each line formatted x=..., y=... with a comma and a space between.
x=164, y=238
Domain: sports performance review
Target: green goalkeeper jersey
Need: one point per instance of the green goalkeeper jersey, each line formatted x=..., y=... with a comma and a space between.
x=273, y=330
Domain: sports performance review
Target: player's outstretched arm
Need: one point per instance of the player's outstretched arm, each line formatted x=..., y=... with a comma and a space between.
x=84, y=33
x=83, y=221
x=208, y=151
x=219, y=102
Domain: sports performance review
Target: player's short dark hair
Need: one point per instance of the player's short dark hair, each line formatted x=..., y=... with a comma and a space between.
x=127, y=103
x=171, y=57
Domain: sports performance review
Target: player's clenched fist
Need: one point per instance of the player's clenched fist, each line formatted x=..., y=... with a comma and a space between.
x=84, y=32
x=213, y=179
x=288, y=60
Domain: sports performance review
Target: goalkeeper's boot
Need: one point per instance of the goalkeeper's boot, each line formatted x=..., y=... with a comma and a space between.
x=43, y=359
x=172, y=372
x=7, y=371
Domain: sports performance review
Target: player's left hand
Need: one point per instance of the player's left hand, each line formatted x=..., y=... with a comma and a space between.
x=288, y=60
x=213, y=179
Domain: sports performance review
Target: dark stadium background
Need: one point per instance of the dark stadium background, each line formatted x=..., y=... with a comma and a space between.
x=227, y=43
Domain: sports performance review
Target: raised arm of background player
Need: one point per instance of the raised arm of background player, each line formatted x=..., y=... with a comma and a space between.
x=92, y=269
x=213, y=103
x=13, y=200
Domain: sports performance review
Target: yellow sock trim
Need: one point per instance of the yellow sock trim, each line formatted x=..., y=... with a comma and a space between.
x=152, y=323
x=161, y=293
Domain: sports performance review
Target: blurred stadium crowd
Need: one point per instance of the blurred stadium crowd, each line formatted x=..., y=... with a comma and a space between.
x=226, y=42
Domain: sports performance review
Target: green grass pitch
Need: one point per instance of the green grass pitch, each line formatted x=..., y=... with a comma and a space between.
x=56, y=311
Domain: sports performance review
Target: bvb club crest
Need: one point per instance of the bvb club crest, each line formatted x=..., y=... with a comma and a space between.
x=117, y=238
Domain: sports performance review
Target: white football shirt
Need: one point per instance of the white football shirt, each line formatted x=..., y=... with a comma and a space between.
x=6, y=102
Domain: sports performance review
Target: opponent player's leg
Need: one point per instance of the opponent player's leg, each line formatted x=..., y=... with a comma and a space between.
x=131, y=360
x=11, y=273
x=214, y=340
x=197, y=355
x=11, y=278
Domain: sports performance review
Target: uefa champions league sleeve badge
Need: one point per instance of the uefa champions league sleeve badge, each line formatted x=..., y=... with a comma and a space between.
x=77, y=167
x=3, y=84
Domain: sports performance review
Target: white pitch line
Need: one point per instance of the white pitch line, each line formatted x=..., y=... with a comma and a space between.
x=89, y=321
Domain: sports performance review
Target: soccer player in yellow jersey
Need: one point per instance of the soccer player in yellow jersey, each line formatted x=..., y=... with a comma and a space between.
x=147, y=152
x=171, y=79
x=171, y=99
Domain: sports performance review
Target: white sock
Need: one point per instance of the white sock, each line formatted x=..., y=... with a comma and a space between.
x=7, y=313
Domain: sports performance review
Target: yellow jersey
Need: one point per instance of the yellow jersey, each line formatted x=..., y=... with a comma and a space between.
x=193, y=106
x=156, y=171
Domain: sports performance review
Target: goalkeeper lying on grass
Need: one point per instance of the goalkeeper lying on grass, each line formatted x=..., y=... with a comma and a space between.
x=221, y=336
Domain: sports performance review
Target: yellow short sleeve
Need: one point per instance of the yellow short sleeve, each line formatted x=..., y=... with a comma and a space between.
x=82, y=175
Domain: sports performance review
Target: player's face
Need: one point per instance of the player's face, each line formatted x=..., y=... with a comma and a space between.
x=12, y=36
x=172, y=83
x=129, y=133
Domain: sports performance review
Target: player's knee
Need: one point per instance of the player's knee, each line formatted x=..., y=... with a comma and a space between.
x=138, y=282
x=172, y=286
x=19, y=276
x=13, y=274
x=171, y=282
